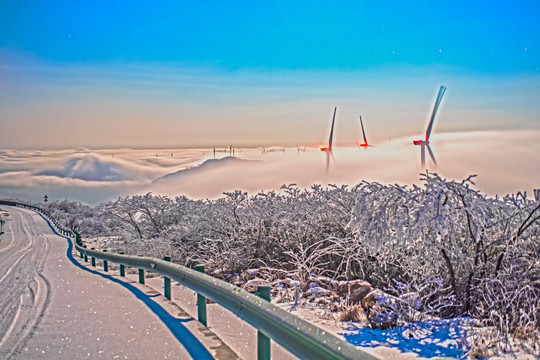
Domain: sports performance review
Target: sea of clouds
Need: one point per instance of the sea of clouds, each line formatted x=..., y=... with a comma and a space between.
x=505, y=162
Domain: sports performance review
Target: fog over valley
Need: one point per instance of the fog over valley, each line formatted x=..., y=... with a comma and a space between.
x=505, y=162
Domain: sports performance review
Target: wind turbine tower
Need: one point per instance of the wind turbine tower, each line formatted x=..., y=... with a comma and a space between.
x=365, y=144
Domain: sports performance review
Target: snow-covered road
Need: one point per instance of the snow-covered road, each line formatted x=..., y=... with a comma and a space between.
x=24, y=291
x=51, y=307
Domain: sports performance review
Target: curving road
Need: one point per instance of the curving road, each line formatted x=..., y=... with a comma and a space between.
x=53, y=308
x=24, y=291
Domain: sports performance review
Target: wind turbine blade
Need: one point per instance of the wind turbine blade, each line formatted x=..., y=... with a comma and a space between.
x=434, y=112
x=431, y=154
x=423, y=156
x=332, y=131
x=363, y=132
x=332, y=155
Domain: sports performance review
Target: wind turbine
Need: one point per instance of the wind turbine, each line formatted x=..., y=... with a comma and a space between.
x=328, y=149
x=365, y=144
x=425, y=143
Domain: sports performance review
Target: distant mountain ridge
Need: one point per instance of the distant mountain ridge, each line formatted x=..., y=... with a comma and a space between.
x=210, y=164
x=88, y=167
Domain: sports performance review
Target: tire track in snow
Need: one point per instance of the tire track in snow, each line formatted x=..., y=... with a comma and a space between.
x=26, y=291
x=7, y=222
x=32, y=305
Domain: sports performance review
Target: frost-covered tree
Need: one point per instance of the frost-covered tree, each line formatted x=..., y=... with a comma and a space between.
x=443, y=248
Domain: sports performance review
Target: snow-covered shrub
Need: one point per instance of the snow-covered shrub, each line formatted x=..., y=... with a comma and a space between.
x=443, y=249
x=77, y=216
x=484, y=250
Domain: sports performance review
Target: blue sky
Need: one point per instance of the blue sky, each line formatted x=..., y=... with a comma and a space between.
x=479, y=36
x=193, y=72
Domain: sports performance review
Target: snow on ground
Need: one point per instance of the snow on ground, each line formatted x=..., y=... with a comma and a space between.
x=237, y=334
x=428, y=339
x=432, y=339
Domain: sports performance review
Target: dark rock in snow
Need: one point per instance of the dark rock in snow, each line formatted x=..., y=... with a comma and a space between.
x=382, y=309
x=356, y=290
x=358, y=294
x=355, y=314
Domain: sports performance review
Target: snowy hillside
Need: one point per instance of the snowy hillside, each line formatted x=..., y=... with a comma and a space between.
x=383, y=256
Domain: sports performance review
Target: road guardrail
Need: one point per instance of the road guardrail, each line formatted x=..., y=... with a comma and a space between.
x=298, y=336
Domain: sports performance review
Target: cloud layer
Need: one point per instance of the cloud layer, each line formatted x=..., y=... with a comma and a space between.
x=506, y=162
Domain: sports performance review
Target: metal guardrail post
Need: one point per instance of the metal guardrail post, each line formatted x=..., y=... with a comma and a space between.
x=85, y=255
x=167, y=282
x=105, y=264
x=122, y=268
x=201, y=300
x=263, y=341
x=93, y=259
x=141, y=276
